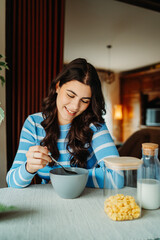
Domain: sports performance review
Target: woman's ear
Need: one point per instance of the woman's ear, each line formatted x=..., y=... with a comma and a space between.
x=57, y=87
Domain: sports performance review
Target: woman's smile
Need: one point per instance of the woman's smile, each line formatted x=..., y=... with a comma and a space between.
x=70, y=112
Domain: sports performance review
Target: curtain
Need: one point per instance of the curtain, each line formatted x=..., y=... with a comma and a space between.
x=34, y=52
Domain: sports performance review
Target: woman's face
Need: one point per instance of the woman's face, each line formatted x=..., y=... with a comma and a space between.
x=73, y=98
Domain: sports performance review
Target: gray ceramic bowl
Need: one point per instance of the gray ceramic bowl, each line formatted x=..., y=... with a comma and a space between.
x=69, y=186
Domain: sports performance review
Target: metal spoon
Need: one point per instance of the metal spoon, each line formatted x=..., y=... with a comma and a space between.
x=66, y=170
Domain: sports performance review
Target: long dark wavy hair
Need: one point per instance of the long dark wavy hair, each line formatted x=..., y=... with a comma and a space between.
x=80, y=134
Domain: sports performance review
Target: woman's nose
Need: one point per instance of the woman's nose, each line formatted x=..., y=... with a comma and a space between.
x=75, y=104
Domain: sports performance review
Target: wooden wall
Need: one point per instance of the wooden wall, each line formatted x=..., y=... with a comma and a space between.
x=137, y=88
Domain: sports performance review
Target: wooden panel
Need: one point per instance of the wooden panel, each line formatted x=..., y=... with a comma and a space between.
x=131, y=85
x=34, y=36
x=135, y=86
x=147, y=84
x=157, y=83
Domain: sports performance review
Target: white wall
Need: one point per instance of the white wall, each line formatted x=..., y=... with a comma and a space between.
x=133, y=32
x=3, y=160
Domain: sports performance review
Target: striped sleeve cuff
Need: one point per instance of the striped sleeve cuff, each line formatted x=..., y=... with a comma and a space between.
x=19, y=177
x=26, y=175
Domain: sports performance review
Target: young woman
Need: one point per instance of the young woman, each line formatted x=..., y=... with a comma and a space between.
x=70, y=128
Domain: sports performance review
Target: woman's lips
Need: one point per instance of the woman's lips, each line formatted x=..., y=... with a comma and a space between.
x=70, y=112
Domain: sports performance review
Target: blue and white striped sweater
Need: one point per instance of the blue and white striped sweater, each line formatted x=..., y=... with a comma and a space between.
x=32, y=133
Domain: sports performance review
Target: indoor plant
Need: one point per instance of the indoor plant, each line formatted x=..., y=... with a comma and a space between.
x=3, y=65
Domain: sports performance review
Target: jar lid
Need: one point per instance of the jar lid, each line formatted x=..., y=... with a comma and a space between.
x=149, y=148
x=123, y=163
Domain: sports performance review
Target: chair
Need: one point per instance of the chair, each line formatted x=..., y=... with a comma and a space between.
x=133, y=145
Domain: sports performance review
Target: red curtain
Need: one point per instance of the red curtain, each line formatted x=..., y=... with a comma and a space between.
x=34, y=51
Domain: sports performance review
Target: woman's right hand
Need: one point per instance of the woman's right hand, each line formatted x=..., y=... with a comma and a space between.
x=37, y=158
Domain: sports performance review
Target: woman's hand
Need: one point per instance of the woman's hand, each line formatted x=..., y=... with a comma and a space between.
x=37, y=158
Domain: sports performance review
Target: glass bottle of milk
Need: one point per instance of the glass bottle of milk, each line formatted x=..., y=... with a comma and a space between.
x=148, y=188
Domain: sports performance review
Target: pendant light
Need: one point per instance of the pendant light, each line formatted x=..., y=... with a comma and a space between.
x=110, y=74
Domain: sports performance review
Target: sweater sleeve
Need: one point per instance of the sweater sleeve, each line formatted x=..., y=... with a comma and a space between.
x=18, y=176
x=103, y=146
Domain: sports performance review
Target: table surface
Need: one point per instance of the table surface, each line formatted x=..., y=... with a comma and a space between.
x=41, y=214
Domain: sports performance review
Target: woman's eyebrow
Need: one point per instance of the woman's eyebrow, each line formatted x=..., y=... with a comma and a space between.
x=76, y=94
x=71, y=92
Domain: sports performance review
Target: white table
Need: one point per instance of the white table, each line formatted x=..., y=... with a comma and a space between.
x=41, y=214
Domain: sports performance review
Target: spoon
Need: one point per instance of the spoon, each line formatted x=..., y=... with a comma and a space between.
x=67, y=171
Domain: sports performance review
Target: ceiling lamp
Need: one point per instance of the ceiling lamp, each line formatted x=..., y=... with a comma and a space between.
x=110, y=74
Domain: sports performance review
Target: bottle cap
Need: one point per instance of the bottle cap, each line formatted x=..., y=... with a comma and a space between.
x=149, y=148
